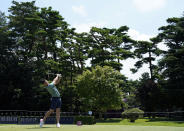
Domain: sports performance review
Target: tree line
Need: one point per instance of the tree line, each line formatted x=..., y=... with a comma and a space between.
x=37, y=42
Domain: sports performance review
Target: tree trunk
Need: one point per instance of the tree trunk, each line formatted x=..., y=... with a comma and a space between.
x=150, y=65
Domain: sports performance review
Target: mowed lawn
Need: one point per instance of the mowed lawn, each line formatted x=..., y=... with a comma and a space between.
x=108, y=125
x=143, y=122
x=88, y=128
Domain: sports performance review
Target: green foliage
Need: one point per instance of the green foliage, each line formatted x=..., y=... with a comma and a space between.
x=38, y=42
x=69, y=99
x=132, y=114
x=129, y=89
x=148, y=93
x=150, y=49
x=99, y=89
x=35, y=41
x=2, y=19
x=109, y=46
x=172, y=63
x=131, y=101
x=86, y=120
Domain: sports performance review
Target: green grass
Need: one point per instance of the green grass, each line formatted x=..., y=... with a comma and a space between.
x=157, y=124
x=142, y=122
x=89, y=128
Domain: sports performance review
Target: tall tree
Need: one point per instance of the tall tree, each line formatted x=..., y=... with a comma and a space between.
x=109, y=46
x=24, y=23
x=146, y=52
x=52, y=31
x=171, y=65
x=7, y=60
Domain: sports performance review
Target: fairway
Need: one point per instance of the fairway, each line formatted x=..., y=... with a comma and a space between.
x=88, y=128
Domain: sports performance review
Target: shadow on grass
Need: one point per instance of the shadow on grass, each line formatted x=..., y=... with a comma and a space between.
x=109, y=121
x=39, y=127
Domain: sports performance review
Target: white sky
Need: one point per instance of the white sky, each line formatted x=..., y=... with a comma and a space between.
x=143, y=17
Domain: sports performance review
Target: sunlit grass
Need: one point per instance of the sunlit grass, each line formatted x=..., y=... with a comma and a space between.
x=157, y=124
x=89, y=128
x=142, y=122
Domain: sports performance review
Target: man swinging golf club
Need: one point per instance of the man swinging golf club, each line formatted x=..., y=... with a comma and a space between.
x=55, y=100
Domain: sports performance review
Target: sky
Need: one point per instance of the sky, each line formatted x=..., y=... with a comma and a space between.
x=143, y=17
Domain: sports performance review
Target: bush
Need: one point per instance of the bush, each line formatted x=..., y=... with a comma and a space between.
x=132, y=114
x=86, y=120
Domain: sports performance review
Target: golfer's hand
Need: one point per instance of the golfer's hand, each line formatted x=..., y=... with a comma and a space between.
x=59, y=75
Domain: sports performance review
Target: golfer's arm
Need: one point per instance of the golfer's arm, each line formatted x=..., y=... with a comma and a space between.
x=56, y=80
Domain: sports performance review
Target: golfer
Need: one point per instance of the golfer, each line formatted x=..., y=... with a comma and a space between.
x=55, y=100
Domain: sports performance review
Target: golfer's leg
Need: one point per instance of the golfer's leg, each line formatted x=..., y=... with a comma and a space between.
x=48, y=114
x=57, y=115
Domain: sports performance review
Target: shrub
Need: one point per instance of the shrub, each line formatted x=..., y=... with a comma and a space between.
x=86, y=120
x=132, y=114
